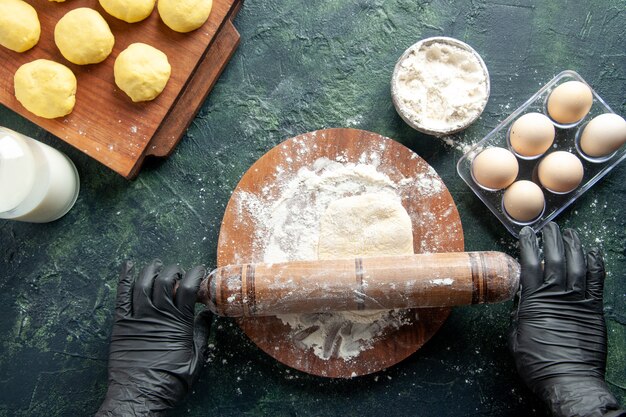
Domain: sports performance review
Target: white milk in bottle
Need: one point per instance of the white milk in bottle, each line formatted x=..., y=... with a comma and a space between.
x=37, y=183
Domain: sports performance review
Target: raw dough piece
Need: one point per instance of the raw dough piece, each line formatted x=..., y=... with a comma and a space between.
x=184, y=15
x=365, y=225
x=130, y=11
x=19, y=25
x=83, y=36
x=142, y=71
x=45, y=88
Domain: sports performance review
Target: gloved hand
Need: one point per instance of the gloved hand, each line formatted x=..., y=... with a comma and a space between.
x=157, y=348
x=558, y=334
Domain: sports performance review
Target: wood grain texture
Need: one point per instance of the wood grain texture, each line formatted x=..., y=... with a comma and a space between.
x=442, y=233
x=105, y=123
x=195, y=92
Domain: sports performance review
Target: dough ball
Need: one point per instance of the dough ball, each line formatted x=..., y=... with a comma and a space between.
x=19, y=25
x=83, y=36
x=184, y=15
x=130, y=11
x=45, y=88
x=365, y=225
x=142, y=71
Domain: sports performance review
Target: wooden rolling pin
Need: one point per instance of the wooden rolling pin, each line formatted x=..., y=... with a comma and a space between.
x=408, y=281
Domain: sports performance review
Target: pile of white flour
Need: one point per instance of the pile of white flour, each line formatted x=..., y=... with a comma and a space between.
x=288, y=228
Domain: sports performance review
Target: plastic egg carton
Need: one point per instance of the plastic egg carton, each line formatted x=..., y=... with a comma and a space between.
x=566, y=139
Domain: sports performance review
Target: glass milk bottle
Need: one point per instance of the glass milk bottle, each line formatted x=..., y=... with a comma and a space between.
x=38, y=184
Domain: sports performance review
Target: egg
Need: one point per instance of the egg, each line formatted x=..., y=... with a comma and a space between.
x=495, y=168
x=531, y=135
x=560, y=172
x=603, y=135
x=523, y=201
x=570, y=102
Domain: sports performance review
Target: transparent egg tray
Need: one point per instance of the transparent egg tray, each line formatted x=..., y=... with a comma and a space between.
x=566, y=139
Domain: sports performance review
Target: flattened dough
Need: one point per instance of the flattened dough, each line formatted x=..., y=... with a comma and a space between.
x=19, y=25
x=130, y=11
x=365, y=225
x=142, y=71
x=45, y=88
x=83, y=36
x=184, y=15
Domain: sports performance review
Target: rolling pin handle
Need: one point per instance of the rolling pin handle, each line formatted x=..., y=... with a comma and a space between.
x=495, y=277
x=512, y=279
x=206, y=292
x=515, y=271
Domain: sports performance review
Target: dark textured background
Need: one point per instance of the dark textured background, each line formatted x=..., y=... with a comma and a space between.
x=303, y=66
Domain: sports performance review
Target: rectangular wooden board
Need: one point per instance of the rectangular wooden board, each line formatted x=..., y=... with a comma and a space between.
x=105, y=123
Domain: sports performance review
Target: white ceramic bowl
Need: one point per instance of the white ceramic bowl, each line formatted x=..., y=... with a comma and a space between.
x=430, y=130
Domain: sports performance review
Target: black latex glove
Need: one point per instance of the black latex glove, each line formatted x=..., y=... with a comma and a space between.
x=558, y=334
x=157, y=348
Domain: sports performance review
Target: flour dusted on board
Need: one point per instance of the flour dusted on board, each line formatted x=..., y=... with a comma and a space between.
x=288, y=228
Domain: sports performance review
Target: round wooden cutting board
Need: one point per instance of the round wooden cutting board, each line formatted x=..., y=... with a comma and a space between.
x=436, y=228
